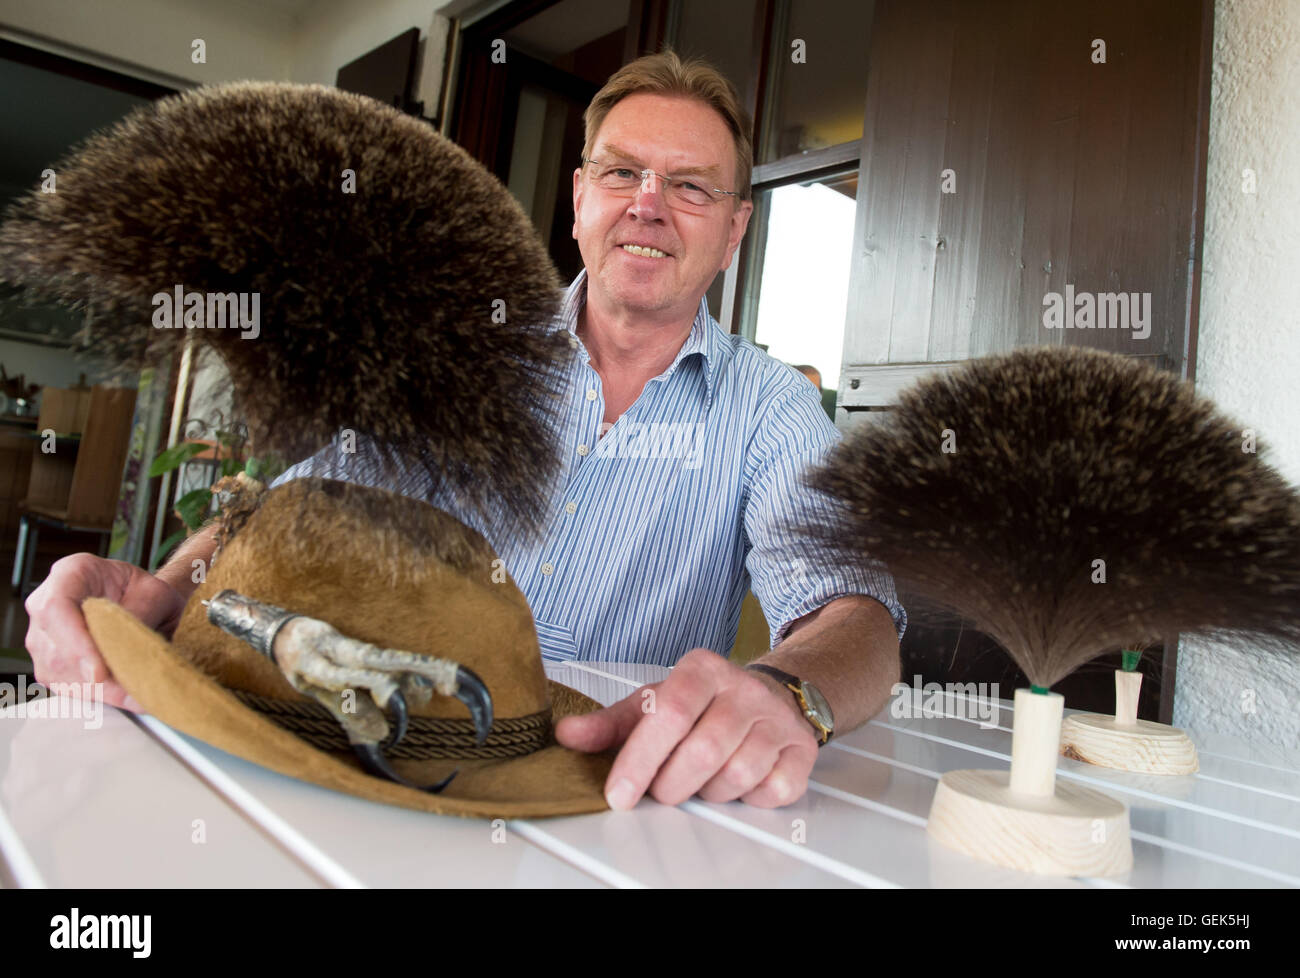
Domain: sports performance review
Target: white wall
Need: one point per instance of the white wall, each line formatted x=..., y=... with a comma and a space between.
x=341, y=30
x=53, y=366
x=244, y=39
x=1248, y=356
x=305, y=42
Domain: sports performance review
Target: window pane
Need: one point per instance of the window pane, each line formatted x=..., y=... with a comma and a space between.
x=816, y=95
x=806, y=247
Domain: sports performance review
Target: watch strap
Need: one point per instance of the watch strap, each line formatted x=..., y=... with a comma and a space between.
x=795, y=685
x=777, y=674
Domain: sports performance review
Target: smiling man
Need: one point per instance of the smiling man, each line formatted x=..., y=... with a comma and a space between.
x=653, y=542
x=661, y=202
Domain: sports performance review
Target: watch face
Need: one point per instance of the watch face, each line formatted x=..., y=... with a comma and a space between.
x=818, y=705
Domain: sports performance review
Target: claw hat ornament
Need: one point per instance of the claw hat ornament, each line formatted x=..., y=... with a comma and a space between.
x=390, y=296
x=393, y=573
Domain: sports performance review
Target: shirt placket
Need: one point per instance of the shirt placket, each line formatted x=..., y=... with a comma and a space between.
x=590, y=412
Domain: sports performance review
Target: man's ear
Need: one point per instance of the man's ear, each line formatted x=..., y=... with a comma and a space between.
x=739, y=224
x=577, y=199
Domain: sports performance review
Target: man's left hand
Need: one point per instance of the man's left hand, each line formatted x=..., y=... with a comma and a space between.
x=710, y=728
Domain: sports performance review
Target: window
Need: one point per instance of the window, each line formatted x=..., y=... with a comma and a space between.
x=804, y=81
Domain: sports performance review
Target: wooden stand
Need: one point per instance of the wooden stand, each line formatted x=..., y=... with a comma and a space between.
x=1125, y=742
x=1022, y=819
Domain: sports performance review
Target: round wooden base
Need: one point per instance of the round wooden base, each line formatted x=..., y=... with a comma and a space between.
x=1075, y=831
x=1143, y=746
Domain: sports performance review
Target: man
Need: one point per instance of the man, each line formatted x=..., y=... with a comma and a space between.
x=652, y=537
x=815, y=376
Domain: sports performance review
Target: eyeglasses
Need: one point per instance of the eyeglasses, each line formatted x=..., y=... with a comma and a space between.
x=623, y=179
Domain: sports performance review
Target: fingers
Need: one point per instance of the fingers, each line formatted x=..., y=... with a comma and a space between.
x=768, y=771
x=61, y=647
x=725, y=745
x=156, y=603
x=714, y=730
x=602, y=729
x=788, y=779
x=736, y=746
x=70, y=657
x=679, y=701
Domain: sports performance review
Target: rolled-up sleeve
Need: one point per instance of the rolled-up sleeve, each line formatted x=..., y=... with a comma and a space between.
x=790, y=575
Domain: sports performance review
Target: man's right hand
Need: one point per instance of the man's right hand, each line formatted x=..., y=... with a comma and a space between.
x=57, y=638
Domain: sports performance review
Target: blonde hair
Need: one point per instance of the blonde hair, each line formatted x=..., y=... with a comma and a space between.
x=666, y=74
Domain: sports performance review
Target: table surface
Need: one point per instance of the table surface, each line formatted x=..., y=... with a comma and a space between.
x=134, y=803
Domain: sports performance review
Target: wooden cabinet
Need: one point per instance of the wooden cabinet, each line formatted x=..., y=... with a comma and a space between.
x=1004, y=160
x=80, y=445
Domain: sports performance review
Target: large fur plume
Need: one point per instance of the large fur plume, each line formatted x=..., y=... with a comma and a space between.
x=380, y=310
x=1060, y=458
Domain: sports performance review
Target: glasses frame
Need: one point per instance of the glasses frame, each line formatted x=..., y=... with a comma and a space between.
x=670, y=181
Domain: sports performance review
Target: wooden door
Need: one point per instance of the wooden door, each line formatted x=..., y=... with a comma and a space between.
x=1012, y=150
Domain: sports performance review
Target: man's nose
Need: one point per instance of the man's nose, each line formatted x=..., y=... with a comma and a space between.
x=648, y=204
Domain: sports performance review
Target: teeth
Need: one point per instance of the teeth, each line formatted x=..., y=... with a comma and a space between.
x=645, y=252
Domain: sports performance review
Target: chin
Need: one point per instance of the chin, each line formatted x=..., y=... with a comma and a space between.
x=634, y=296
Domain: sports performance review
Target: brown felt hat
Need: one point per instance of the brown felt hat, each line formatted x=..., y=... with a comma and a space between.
x=389, y=570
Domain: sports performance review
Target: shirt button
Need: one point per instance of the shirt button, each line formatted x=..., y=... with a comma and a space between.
x=548, y=568
x=591, y=395
x=570, y=508
x=582, y=449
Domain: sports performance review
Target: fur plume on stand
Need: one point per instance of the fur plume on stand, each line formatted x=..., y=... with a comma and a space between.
x=1064, y=457
x=379, y=310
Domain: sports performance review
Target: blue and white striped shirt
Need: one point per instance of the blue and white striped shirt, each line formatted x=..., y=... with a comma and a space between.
x=660, y=525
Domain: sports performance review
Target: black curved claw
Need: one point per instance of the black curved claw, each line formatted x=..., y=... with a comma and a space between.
x=471, y=691
x=400, y=719
x=373, y=760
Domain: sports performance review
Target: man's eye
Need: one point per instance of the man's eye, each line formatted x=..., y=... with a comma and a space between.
x=623, y=172
x=693, y=187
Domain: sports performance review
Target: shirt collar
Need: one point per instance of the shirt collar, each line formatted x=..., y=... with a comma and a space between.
x=701, y=339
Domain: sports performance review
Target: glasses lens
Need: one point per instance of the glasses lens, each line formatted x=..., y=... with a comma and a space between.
x=692, y=194
x=618, y=179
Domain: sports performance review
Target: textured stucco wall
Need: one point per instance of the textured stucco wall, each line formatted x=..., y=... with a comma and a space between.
x=1249, y=347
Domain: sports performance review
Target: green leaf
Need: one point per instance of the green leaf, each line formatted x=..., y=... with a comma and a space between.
x=193, y=507
x=165, y=548
x=229, y=466
x=254, y=468
x=175, y=457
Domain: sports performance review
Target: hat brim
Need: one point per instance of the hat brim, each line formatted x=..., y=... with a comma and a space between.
x=552, y=781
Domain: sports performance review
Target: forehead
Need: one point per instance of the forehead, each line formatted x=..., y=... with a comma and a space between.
x=668, y=130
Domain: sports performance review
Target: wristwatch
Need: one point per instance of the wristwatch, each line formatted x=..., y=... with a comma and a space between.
x=810, y=698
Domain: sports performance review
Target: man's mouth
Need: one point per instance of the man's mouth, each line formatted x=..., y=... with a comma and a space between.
x=644, y=251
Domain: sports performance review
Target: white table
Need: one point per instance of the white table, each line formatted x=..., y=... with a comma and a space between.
x=136, y=804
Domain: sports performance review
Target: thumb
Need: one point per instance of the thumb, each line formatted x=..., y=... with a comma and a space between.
x=600, y=729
